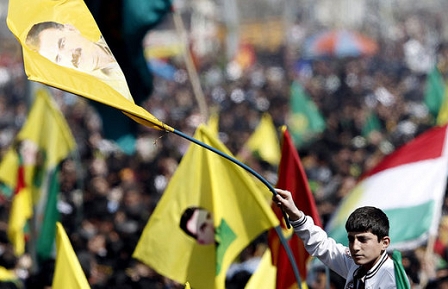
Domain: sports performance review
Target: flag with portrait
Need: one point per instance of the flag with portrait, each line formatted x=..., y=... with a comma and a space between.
x=239, y=211
x=63, y=47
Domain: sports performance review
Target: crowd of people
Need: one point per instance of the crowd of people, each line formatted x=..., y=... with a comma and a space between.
x=107, y=196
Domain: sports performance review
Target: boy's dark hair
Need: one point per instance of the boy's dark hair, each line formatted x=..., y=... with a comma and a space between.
x=368, y=219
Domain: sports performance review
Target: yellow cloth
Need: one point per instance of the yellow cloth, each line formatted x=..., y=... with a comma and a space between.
x=239, y=210
x=45, y=134
x=22, y=15
x=68, y=273
x=264, y=141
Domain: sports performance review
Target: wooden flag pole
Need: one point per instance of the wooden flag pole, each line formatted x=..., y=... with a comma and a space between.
x=193, y=75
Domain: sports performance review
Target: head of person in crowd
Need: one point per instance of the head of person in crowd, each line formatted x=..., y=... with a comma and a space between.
x=197, y=222
x=368, y=235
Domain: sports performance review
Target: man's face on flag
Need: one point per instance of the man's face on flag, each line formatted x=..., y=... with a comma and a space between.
x=201, y=225
x=66, y=46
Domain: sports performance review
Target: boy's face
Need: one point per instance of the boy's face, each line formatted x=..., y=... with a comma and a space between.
x=365, y=248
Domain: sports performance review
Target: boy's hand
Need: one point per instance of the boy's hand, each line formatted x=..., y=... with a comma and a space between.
x=284, y=200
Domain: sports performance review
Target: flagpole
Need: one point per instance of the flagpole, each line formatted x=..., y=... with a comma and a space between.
x=291, y=258
x=244, y=166
x=264, y=181
x=194, y=78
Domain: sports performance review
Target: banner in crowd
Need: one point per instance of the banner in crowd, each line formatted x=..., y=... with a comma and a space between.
x=292, y=177
x=68, y=272
x=63, y=47
x=434, y=94
x=210, y=211
x=409, y=184
x=263, y=142
x=305, y=120
x=43, y=142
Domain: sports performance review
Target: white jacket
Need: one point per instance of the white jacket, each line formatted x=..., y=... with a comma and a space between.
x=337, y=257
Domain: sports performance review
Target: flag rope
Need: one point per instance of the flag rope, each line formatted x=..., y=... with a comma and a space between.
x=264, y=181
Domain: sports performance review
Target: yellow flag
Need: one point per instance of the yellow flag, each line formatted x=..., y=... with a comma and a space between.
x=221, y=211
x=442, y=116
x=21, y=211
x=68, y=273
x=7, y=274
x=45, y=128
x=264, y=141
x=265, y=275
x=43, y=142
x=63, y=47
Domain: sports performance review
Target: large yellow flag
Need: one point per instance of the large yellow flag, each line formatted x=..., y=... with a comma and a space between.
x=63, y=47
x=29, y=168
x=68, y=273
x=220, y=209
x=265, y=275
x=264, y=141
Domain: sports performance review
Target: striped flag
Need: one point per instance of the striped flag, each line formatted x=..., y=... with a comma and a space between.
x=45, y=141
x=409, y=184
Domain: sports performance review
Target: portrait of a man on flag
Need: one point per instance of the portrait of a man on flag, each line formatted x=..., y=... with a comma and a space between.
x=64, y=45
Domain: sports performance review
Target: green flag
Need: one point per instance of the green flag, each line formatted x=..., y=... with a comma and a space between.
x=401, y=278
x=434, y=91
x=372, y=123
x=305, y=121
x=124, y=33
x=138, y=18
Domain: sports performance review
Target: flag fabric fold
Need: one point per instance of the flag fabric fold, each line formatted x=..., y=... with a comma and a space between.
x=83, y=64
x=44, y=142
x=401, y=277
x=68, y=272
x=291, y=177
x=230, y=199
x=408, y=184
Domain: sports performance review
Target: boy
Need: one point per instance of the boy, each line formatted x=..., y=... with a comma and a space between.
x=365, y=263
